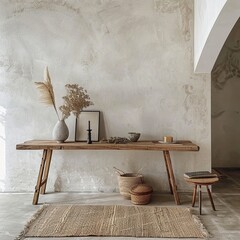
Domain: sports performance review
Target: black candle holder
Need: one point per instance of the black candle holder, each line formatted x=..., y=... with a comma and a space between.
x=89, y=139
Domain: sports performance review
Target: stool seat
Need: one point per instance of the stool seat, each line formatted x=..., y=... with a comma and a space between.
x=202, y=181
x=198, y=182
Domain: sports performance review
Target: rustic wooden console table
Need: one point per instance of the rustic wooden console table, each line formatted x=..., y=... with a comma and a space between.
x=49, y=146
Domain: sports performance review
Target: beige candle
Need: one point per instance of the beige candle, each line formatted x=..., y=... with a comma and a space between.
x=168, y=139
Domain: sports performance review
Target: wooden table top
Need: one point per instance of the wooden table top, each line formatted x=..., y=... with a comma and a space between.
x=182, y=145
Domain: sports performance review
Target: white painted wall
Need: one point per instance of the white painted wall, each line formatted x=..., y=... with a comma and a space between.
x=205, y=14
x=212, y=24
x=134, y=57
x=225, y=103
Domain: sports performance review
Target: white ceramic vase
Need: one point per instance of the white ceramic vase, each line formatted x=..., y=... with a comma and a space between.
x=60, y=131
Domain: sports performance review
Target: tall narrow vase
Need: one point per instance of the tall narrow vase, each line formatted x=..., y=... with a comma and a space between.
x=60, y=131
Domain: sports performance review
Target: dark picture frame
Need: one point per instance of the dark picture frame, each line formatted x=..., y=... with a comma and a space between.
x=81, y=126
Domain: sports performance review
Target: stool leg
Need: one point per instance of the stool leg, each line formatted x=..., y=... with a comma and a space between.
x=200, y=199
x=211, y=199
x=194, y=195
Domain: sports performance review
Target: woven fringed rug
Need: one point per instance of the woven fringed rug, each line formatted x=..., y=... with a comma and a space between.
x=128, y=221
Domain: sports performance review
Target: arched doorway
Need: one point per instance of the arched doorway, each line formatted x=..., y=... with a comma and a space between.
x=225, y=105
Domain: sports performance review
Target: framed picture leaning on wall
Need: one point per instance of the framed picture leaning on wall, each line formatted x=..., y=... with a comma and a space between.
x=85, y=119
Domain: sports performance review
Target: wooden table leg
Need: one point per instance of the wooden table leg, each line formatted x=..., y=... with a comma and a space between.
x=165, y=158
x=39, y=181
x=46, y=171
x=171, y=176
x=200, y=199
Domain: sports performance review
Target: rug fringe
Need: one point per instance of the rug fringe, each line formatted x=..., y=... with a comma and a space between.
x=196, y=219
x=22, y=234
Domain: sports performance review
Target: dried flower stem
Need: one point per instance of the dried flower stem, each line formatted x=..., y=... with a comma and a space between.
x=46, y=90
x=75, y=100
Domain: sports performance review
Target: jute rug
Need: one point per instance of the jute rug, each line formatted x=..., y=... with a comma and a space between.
x=131, y=221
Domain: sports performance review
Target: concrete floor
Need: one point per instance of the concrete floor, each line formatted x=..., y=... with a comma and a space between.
x=16, y=209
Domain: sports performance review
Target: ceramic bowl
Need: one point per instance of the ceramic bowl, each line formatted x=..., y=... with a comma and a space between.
x=133, y=136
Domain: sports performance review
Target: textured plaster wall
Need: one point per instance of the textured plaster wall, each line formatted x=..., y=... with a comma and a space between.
x=225, y=103
x=134, y=57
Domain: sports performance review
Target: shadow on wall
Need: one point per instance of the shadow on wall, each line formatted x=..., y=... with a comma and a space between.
x=2, y=149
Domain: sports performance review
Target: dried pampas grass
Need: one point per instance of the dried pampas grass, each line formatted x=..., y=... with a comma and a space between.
x=75, y=100
x=46, y=90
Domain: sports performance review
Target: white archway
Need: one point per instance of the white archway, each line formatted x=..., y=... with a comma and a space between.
x=207, y=48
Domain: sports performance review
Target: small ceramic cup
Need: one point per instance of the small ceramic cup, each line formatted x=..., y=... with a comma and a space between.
x=168, y=139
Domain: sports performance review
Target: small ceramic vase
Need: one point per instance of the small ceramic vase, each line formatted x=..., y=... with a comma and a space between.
x=60, y=131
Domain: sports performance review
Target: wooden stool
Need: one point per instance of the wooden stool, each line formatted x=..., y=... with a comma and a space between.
x=199, y=182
